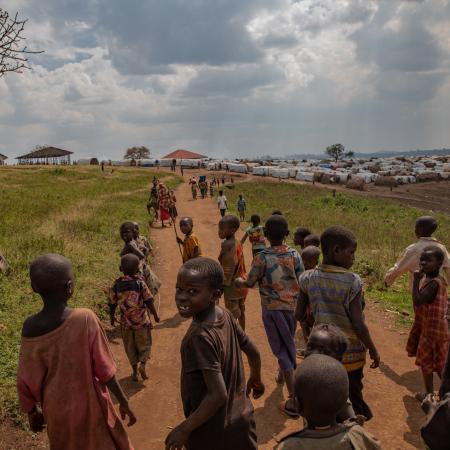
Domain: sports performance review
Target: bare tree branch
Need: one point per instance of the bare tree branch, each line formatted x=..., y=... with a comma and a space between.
x=13, y=51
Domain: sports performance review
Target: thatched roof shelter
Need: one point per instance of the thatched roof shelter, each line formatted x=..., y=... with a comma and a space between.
x=46, y=155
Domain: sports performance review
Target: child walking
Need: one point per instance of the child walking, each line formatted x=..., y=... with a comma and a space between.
x=222, y=203
x=335, y=295
x=218, y=411
x=134, y=299
x=409, y=260
x=255, y=233
x=277, y=269
x=66, y=368
x=321, y=391
x=231, y=259
x=429, y=337
x=241, y=207
x=191, y=244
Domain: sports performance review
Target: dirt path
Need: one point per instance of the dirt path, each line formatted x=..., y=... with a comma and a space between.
x=389, y=390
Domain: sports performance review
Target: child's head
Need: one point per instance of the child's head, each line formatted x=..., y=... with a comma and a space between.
x=276, y=229
x=425, y=226
x=52, y=277
x=186, y=225
x=338, y=246
x=255, y=220
x=299, y=236
x=326, y=339
x=311, y=239
x=129, y=264
x=431, y=259
x=228, y=226
x=199, y=285
x=310, y=257
x=240, y=196
x=321, y=388
x=277, y=212
x=220, y=192
x=127, y=231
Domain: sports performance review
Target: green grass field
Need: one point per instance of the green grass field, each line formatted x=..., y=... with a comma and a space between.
x=75, y=211
x=383, y=228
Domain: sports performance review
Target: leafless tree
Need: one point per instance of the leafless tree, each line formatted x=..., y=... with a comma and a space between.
x=13, y=51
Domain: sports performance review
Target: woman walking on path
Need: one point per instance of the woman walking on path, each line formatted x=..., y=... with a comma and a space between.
x=164, y=204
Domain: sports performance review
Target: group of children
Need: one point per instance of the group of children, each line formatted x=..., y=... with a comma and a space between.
x=203, y=186
x=327, y=300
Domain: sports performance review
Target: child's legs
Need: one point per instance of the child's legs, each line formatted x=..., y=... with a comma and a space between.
x=130, y=346
x=428, y=382
x=241, y=319
x=355, y=378
x=236, y=308
x=143, y=340
x=280, y=329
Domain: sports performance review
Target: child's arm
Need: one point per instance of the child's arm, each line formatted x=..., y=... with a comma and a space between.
x=214, y=399
x=124, y=409
x=244, y=238
x=361, y=330
x=254, y=382
x=196, y=251
x=150, y=305
x=427, y=294
x=402, y=266
x=112, y=304
x=131, y=247
x=254, y=275
x=301, y=307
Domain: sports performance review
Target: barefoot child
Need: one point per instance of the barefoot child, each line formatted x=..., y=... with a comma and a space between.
x=191, y=244
x=277, y=269
x=335, y=296
x=231, y=259
x=429, y=336
x=218, y=411
x=134, y=299
x=321, y=390
x=241, y=207
x=409, y=260
x=66, y=366
x=255, y=233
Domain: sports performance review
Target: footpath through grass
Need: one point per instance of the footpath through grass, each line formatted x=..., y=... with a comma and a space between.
x=75, y=211
x=383, y=228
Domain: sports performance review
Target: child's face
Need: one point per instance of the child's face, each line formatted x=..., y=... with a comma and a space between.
x=225, y=231
x=127, y=233
x=321, y=343
x=344, y=256
x=429, y=263
x=136, y=231
x=193, y=295
x=186, y=226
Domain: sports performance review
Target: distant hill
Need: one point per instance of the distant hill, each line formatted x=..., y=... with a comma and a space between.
x=380, y=154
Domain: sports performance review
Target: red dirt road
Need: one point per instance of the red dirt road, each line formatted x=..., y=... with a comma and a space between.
x=156, y=402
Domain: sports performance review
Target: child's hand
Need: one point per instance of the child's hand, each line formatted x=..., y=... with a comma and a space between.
x=418, y=274
x=256, y=385
x=177, y=438
x=239, y=283
x=179, y=240
x=36, y=420
x=126, y=411
x=375, y=357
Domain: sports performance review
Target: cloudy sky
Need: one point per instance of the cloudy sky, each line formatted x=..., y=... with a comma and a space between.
x=230, y=77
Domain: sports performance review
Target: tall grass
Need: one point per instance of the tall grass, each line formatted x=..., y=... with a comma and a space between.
x=75, y=211
x=383, y=228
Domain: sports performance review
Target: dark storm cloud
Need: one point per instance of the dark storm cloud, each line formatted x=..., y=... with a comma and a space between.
x=236, y=82
x=174, y=32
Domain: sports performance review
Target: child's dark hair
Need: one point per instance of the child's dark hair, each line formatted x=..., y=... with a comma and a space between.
x=230, y=221
x=129, y=264
x=426, y=225
x=336, y=236
x=220, y=192
x=210, y=269
x=49, y=272
x=276, y=228
x=338, y=340
x=321, y=386
x=255, y=219
x=436, y=252
x=311, y=239
x=277, y=212
x=302, y=232
x=310, y=252
x=127, y=224
x=188, y=220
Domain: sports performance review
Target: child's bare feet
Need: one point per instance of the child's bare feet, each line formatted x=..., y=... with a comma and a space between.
x=143, y=372
x=134, y=376
x=420, y=396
